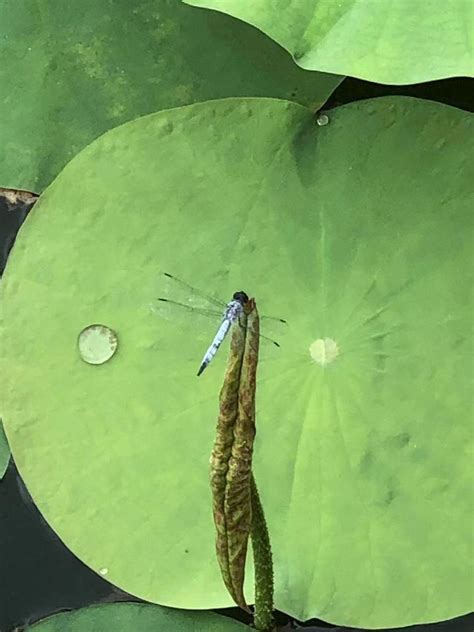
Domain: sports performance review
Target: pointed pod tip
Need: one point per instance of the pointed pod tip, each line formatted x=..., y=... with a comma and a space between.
x=240, y=601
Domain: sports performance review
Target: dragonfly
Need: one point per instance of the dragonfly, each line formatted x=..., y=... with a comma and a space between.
x=227, y=313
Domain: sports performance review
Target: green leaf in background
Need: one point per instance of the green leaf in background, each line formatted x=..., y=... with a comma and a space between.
x=70, y=71
x=4, y=451
x=136, y=617
x=378, y=40
x=359, y=234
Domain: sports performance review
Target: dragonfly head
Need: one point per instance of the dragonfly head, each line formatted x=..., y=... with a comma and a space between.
x=242, y=297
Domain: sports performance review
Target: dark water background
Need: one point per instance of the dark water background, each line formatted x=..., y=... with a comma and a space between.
x=39, y=575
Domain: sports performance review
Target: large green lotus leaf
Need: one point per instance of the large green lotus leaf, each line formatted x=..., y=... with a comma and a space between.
x=135, y=617
x=4, y=451
x=378, y=40
x=358, y=233
x=70, y=71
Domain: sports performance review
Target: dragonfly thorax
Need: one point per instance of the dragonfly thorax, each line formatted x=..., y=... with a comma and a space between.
x=235, y=307
x=233, y=310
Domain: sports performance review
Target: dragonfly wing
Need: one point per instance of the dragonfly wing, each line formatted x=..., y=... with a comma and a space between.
x=273, y=329
x=170, y=286
x=202, y=321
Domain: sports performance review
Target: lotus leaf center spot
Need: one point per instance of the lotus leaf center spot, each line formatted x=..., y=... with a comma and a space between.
x=97, y=344
x=324, y=350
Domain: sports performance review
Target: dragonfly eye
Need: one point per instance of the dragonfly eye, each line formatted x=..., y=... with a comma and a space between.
x=241, y=297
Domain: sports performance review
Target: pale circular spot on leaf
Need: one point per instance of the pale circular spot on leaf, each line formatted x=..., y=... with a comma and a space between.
x=324, y=350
